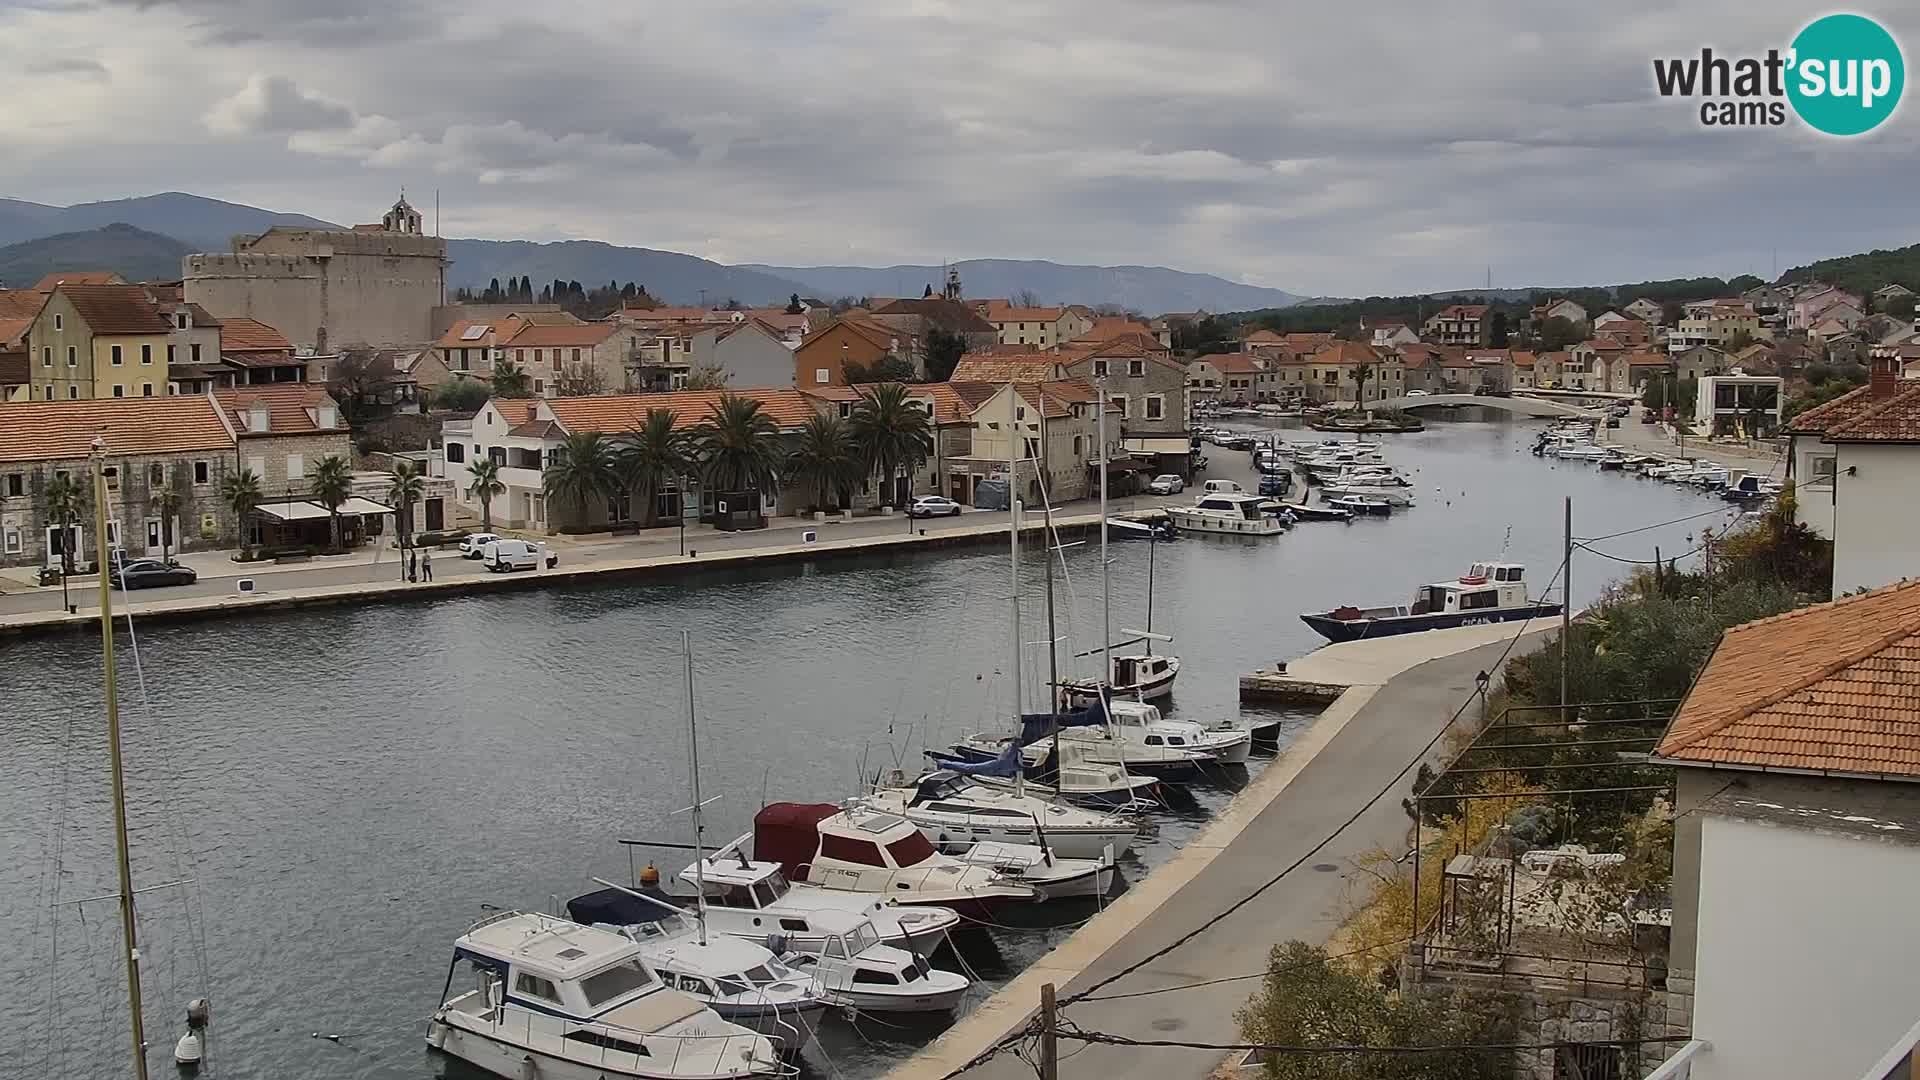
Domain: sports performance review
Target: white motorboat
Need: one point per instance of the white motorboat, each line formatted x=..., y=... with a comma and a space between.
x=1068, y=776
x=1055, y=876
x=956, y=812
x=1229, y=514
x=1360, y=504
x=736, y=978
x=854, y=970
x=556, y=999
x=1143, y=722
x=1489, y=592
x=862, y=852
x=1148, y=675
x=751, y=899
x=1394, y=495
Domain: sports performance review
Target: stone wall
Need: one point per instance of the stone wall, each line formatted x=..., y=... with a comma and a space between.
x=201, y=522
x=268, y=456
x=326, y=289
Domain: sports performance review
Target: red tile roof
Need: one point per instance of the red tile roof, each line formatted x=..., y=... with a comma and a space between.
x=287, y=405
x=614, y=413
x=1817, y=420
x=116, y=309
x=455, y=337
x=1028, y=368
x=251, y=335
x=1233, y=363
x=1893, y=419
x=77, y=277
x=1347, y=353
x=64, y=430
x=13, y=329
x=564, y=335
x=21, y=303
x=1829, y=688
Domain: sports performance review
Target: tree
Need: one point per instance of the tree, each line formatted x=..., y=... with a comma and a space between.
x=241, y=492
x=332, y=485
x=167, y=502
x=585, y=467
x=1361, y=373
x=585, y=382
x=794, y=308
x=1026, y=298
x=483, y=476
x=706, y=378
x=738, y=447
x=1497, y=332
x=66, y=500
x=1672, y=312
x=892, y=434
x=358, y=381
x=403, y=491
x=1901, y=307
x=944, y=351
x=887, y=369
x=1561, y=332
x=825, y=460
x=461, y=395
x=651, y=458
x=1654, y=394
x=511, y=382
x=1740, y=340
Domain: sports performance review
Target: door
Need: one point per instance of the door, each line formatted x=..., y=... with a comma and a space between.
x=436, y=515
x=55, y=544
x=153, y=534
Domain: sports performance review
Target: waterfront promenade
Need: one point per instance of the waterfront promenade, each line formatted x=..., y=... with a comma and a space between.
x=1401, y=692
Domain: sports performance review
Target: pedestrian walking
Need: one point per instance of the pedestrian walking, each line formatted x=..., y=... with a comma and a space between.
x=413, y=566
x=426, y=566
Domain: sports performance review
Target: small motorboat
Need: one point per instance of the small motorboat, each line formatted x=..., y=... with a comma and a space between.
x=855, y=971
x=1070, y=776
x=750, y=899
x=1303, y=512
x=1391, y=495
x=1144, y=676
x=1055, y=876
x=1108, y=733
x=554, y=998
x=1225, y=513
x=956, y=811
x=1488, y=593
x=1361, y=504
x=1124, y=529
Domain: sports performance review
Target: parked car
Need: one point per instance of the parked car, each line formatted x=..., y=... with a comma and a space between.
x=1167, y=484
x=1223, y=487
x=1276, y=483
x=475, y=544
x=149, y=573
x=506, y=556
x=927, y=506
x=1419, y=393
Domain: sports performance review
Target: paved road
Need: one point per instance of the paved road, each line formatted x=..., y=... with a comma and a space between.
x=1375, y=744
x=1656, y=439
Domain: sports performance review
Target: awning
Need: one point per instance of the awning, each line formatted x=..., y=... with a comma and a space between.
x=358, y=505
x=1158, y=444
x=291, y=511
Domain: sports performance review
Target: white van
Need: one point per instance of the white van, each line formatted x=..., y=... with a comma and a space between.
x=1224, y=487
x=506, y=556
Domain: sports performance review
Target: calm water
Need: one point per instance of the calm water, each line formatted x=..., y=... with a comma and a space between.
x=349, y=788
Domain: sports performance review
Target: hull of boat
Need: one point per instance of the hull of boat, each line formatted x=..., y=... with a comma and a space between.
x=1303, y=512
x=1231, y=753
x=1095, y=881
x=1355, y=629
x=867, y=1001
x=502, y=1057
x=1081, y=694
x=1223, y=525
x=957, y=839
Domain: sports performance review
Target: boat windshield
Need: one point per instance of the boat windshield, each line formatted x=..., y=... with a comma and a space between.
x=911, y=849
x=861, y=938
x=766, y=892
x=616, y=982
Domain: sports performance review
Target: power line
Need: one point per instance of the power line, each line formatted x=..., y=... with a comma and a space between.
x=1648, y=528
x=1637, y=562
x=1315, y=850
x=1252, y=975
x=1280, y=1048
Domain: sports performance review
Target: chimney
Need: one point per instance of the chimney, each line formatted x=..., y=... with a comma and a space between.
x=1885, y=374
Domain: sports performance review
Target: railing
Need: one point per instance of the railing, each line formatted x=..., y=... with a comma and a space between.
x=1897, y=1062
x=1680, y=1065
x=1493, y=963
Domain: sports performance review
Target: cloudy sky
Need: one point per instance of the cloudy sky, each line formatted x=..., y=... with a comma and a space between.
x=1321, y=148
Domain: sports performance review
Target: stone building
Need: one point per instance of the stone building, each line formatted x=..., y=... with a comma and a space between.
x=330, y=288
x=114, y=341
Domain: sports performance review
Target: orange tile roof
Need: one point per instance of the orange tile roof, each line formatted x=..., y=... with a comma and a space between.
x=1109, y=327
x=1461, y=311
x=64, y=430
x=287, y=405
x=1346, y=352
x=454, y=337
x=21, y=303
x=1817, y=420
x=999, y=311
x=77, y=277
x=1028, y=368
x=1233, y=363
x=1263, y=336
x=1523, y=359
x=12, y=329
x=251, y=335
x=614, y=413
x=563, y=335
x=116, y=309
x=1892, y=419
x=1829, y=688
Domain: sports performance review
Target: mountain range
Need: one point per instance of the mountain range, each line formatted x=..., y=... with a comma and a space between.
x=78, y=238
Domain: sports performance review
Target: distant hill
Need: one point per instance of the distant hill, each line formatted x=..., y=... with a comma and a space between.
x=667, y=275
x=1150, y=289
x=202, y=224
x=1862, y=274
x=134, y=254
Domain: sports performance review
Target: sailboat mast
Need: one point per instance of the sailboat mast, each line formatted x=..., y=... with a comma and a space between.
x=1153, y=541
x=1013, y=543
x=1050, y=543
x=1106, y=590
x=693, y=757
x=128, y=933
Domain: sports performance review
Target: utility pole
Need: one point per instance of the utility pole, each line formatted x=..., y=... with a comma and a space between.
x=1049, y=1034
x=1566, y=607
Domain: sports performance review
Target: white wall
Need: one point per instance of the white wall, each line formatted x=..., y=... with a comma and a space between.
x=1876, y=516
x=1808, y=959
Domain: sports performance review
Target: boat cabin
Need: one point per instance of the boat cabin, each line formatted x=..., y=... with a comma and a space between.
x=1484, y=585
x=738, y=883
x=803, y=836
x=848, y=955
x=1144, y=670
x=722, y=968
x=1245, y=506
x=554, y=966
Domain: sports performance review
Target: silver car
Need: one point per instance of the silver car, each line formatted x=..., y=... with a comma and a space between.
x=1167, y=484
x=927, y=506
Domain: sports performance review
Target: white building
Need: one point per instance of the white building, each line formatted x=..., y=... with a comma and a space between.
x=1796, y=836
x=1737, y=402
x=1856, y=466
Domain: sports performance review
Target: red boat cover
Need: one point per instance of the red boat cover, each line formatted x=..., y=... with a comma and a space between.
x=786, y=833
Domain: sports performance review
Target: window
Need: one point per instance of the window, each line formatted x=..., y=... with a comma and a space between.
x=193, y=354
x=911, y=849
x=1136, y=368
x=576, y=356
x=156, y=476
x=1099, y=369
x=257, y=465
x=146, y=389
x=112, y=475
x=497, y=455
x=146, y=354
x=73, y=357
x=877, y=978
x=13, y=541
x=73, y=393
x=1824, y=470
x=538, y=355
x=847, y=849
x=607, y=1042
x=792, y=925
x=296, y=466
x=535, y=986
x=46, y=356
x=202, y=473
x=170, y=349
x=519, y=356
x=119, y=391
x=115, y=351
x=16, y=485
x=1591, y=1062
x=1122, y=401
x=180, y=320
x=1473, y=600
x=58, y=322
x=617, y=981
x=456, y=453
x=1077, y=441
x=1156, y=408
x=821, y=376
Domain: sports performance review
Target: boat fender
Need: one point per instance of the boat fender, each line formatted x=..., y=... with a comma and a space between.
x=777, y=944
x=529, y=1068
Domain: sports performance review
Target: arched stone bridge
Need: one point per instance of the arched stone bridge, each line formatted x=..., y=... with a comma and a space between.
x=1525, y=406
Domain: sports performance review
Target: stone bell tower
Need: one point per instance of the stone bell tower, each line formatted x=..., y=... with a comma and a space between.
x=403, y=218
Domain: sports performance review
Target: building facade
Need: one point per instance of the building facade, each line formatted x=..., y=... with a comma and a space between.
x=1853, y=461
x=114, y=341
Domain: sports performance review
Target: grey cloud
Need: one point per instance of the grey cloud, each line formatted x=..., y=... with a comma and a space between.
x=77, y=66
x=274, y=104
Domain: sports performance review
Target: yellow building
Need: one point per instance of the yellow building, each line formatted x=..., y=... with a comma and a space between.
x=114, y=341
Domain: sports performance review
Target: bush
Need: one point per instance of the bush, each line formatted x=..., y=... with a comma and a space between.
x=436, y=538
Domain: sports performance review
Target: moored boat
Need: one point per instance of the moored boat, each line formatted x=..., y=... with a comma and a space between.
x=750, y=899
x=1227, y=514
x=956, y=811
x=1361, y=504
x=1488, y=593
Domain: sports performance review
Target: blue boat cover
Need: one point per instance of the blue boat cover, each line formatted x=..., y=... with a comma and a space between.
x=1035, y=726
x=1007, y=764
x=619, y=908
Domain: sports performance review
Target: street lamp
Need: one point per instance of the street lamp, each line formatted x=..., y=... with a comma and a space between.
x=682, y=481
x=1480, y=681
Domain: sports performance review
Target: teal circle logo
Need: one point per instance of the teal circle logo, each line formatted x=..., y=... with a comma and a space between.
x=1846, y=74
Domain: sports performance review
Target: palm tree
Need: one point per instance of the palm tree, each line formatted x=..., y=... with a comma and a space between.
x=241, y=492
x=1361, y=374
x=511, y=382
x=652, y=457
x=892, y=433
x=739, y=447
x=166, y=502
x=406, y=489
x=585, y=467
x=66, y=501
x=332, y=485
x=485, y=485
x=825, y=459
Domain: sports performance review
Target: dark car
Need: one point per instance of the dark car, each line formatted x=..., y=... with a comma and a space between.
x=149, y=573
